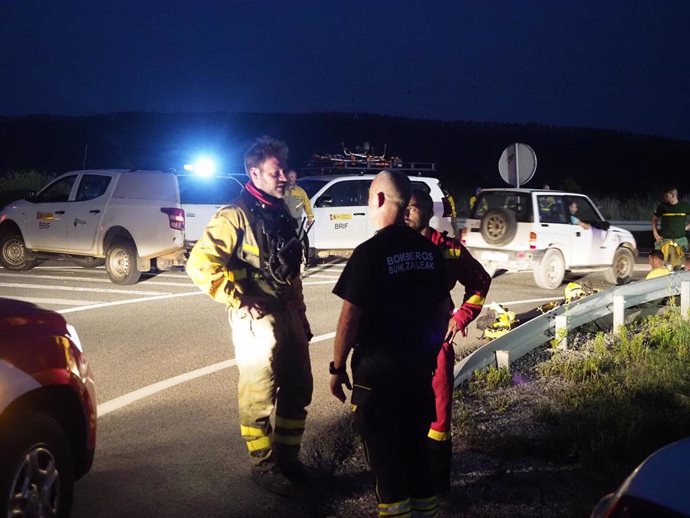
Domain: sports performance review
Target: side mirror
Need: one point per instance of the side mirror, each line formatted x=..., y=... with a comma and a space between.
x=31, y=196
x=324, y=201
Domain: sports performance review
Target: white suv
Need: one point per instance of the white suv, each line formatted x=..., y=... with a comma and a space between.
x=123, y=218
x=532, y=230
x=341, y=210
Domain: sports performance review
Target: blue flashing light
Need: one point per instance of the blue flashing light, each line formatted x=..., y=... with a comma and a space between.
x=205, y=166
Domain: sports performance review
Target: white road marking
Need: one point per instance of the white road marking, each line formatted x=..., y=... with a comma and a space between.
x=89, y=279
x=131, y=397
x=55, y=302
x=525, y=301
x=75, y=267
x=74, y=288
x=128, y=301
x=148, y=391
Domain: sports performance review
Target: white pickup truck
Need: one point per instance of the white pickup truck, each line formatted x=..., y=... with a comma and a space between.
x=123, y=218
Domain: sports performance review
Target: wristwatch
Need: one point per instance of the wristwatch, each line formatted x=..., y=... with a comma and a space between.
x=333, y=370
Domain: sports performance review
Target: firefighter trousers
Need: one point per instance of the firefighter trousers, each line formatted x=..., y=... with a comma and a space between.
x=439, y=437
x=272, y=355
x=393, y=427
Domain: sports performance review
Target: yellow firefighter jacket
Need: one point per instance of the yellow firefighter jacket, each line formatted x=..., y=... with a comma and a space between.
x=231, y=260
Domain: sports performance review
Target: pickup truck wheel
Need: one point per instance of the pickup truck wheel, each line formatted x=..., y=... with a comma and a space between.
x=622, y=268
x=498, y=226
x=549, y=273
x=14, y=255
x=37, y=476
x=121, y=263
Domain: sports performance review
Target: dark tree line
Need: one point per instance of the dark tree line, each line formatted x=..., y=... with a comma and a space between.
x=466, y=154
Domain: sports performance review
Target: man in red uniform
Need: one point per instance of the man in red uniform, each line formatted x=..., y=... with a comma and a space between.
x=466, y=270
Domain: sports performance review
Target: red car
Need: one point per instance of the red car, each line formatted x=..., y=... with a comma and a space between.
x=47, y=411
x=657, y=488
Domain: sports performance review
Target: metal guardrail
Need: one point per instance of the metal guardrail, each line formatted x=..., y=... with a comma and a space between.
x=530, y=335
x=632, y=226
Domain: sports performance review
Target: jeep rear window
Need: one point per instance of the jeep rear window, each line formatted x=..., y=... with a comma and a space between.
x=519, y=203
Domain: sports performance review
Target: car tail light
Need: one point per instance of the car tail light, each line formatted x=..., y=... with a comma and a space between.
x=447, y=209
x=463, y=236
x=532, y=240
x=175, y=216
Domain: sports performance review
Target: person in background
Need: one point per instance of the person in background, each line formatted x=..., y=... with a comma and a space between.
x=249, y=259
x=466, y=270
x=574, y=220
x=671, y=237
x=473, y=198
x=453, y=212
x=297, y=199
x=395, y=315
x=657, y=265
x=298, y=204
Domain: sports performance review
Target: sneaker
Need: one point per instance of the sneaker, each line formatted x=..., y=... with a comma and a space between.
x=272, y=480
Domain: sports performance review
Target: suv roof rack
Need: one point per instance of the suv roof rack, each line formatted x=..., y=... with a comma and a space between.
x=364, y=161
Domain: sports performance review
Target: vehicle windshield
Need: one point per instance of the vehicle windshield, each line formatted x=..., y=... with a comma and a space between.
x=519, y=203
x=312, y=185
x=218, y=190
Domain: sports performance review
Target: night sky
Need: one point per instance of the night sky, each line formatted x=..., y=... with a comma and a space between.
x=622, y=65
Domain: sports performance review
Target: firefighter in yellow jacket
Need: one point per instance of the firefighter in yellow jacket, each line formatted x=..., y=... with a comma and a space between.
x=249, y=259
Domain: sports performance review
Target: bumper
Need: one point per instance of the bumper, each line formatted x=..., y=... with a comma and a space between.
x=510, y=260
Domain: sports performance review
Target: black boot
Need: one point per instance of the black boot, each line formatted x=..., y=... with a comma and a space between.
x=440, y=453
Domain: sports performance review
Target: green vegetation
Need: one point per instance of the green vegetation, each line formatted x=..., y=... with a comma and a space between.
x=624, y=398
x=490, y=379
x=609, y=399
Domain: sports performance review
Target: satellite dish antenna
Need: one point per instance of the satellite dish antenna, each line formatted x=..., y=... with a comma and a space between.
x=517, y=164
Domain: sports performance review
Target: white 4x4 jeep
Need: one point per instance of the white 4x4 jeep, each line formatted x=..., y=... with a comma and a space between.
x=532, y=230
x=123, y=218
x=341, y=210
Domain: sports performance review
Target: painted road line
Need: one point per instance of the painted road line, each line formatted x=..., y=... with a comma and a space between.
x=75, y=267
x=129, y=301
x=74, y=288
x=55, y=302
x=148, y=391
x=102, y=280
x=524, y=301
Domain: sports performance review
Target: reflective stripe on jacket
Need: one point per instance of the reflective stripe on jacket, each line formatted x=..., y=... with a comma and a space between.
x=226, y=263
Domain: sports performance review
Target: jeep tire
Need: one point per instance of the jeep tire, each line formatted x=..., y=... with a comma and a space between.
x=121, y=262
x=498, y=226
x=622, y=268
x=13, y=253
x=549, y=273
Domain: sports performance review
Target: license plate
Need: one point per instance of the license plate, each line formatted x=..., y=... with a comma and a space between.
x=494, y=256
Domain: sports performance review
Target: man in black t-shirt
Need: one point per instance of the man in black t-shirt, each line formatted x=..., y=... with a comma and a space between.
x=673, y=215
x=395, y=315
